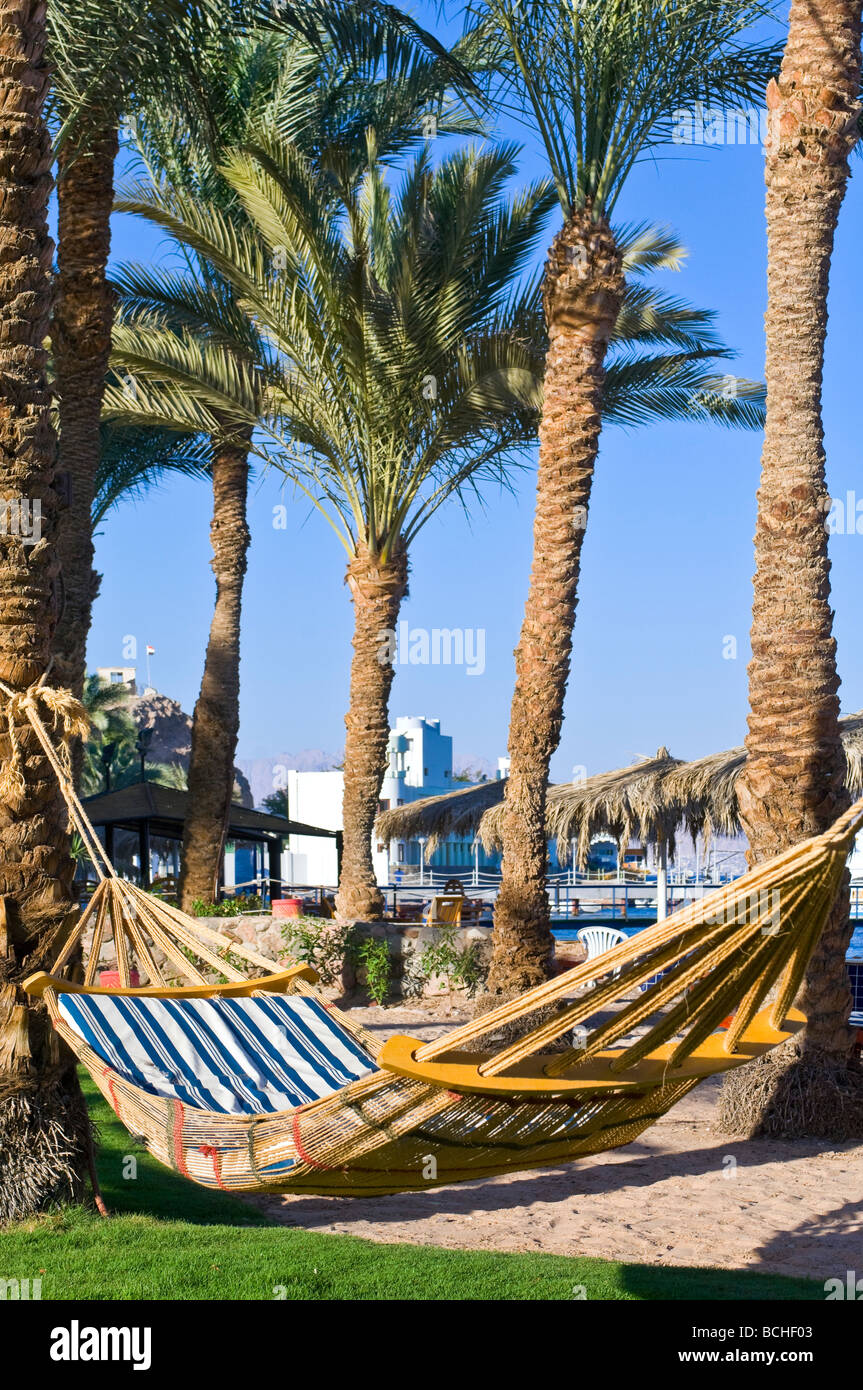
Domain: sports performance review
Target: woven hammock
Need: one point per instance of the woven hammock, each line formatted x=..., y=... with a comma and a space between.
x=679, y=1002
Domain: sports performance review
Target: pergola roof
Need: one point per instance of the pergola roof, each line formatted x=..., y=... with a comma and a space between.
x=651, y=800
x=166, y=807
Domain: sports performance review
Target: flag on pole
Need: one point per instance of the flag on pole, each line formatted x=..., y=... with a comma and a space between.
x=151, y=651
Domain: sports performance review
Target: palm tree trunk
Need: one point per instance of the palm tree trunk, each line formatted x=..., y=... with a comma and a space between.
x=216, y=720
x=793, y=782
x=43, y=1127
x=377, y=591
x=582, y=294
x=81, y=344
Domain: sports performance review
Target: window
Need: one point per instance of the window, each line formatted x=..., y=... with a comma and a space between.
x=401, y=854
x=117, y=678
x=425, y=772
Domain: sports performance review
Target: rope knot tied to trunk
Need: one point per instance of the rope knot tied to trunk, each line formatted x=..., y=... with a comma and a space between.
x=66, y=714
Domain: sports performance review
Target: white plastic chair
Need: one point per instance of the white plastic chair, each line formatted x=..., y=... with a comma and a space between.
x=598, y=940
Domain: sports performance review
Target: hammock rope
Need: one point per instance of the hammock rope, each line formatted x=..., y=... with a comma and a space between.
x=721, y=965
x=641, y=1026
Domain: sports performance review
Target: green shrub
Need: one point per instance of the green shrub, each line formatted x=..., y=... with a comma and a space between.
x=460, y=967
x=374, y=955
x=322, y=944
x=228, y=907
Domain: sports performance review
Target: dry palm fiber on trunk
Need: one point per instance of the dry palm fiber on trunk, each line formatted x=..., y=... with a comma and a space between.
x=794, y=780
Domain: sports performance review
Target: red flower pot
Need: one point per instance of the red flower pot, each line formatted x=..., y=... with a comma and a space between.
x=110, y=979
x=287, y=907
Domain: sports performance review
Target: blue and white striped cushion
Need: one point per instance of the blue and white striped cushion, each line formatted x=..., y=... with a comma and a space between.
x=245, y=1056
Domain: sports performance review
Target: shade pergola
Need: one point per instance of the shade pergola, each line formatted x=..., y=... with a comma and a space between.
x=147, y=809
x=652, y=800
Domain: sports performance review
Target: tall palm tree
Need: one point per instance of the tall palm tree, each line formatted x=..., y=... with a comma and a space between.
x=324, y=96
x=396, y=368
x=43, y=1129
x=793, y=782
x=162, y=61
x=109, y=61
x=599, y=82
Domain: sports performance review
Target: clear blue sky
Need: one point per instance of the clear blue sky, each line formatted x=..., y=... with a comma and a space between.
x=667, y=562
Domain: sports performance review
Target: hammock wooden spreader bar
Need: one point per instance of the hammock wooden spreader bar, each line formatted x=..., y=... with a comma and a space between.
x=635, y=1029
x=717, y=957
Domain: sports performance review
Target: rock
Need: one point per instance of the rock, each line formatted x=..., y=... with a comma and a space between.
x=172, y=735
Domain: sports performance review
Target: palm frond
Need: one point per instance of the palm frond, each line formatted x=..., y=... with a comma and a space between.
x=600, y=80
x=135, y=459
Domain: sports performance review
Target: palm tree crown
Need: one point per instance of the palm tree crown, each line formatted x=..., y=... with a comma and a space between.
x=378, y=345
x=600, y=80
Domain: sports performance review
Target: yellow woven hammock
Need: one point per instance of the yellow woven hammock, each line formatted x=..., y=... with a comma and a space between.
x=639, y=1035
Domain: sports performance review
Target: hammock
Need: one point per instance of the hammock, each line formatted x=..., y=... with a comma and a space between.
x=260, y=1085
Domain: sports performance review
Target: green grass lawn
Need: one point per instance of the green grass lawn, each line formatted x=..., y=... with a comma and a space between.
x=168, y=1239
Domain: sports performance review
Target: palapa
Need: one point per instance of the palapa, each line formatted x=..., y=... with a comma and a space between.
x=652, y=800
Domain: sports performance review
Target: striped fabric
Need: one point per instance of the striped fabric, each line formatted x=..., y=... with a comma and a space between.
x=246, y=1056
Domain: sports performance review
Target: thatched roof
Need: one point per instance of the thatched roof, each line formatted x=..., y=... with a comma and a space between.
x=626, y=804
x=435, y=817
x=652, y=800
x=703, y=793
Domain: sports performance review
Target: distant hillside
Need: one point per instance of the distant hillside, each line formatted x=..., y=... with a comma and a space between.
x=263, y=777
x=172, y=734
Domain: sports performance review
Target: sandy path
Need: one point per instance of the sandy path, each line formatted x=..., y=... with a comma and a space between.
x=680, y=1195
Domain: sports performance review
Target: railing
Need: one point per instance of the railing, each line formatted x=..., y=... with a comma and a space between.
x=613, y=899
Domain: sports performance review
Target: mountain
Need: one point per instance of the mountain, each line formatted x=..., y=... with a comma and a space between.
x=172, y=734
x=266, y=775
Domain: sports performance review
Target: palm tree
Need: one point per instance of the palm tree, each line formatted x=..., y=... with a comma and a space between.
x=110, y=745
x=162, y=62
x=109, y=60
x=793, y=782
x=599, y=82
x=323, y=96
x=43, y=1126
x=395, y=369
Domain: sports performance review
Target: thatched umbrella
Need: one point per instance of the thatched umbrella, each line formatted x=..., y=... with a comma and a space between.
x=651, y=800
x=436, y=817
x=703, y=793
x=626, y=804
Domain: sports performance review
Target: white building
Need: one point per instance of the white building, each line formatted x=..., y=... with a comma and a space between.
x=420, y=764
x=315, y=798
x=117, y=675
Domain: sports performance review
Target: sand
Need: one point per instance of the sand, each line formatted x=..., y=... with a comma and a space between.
x=681, y=1195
